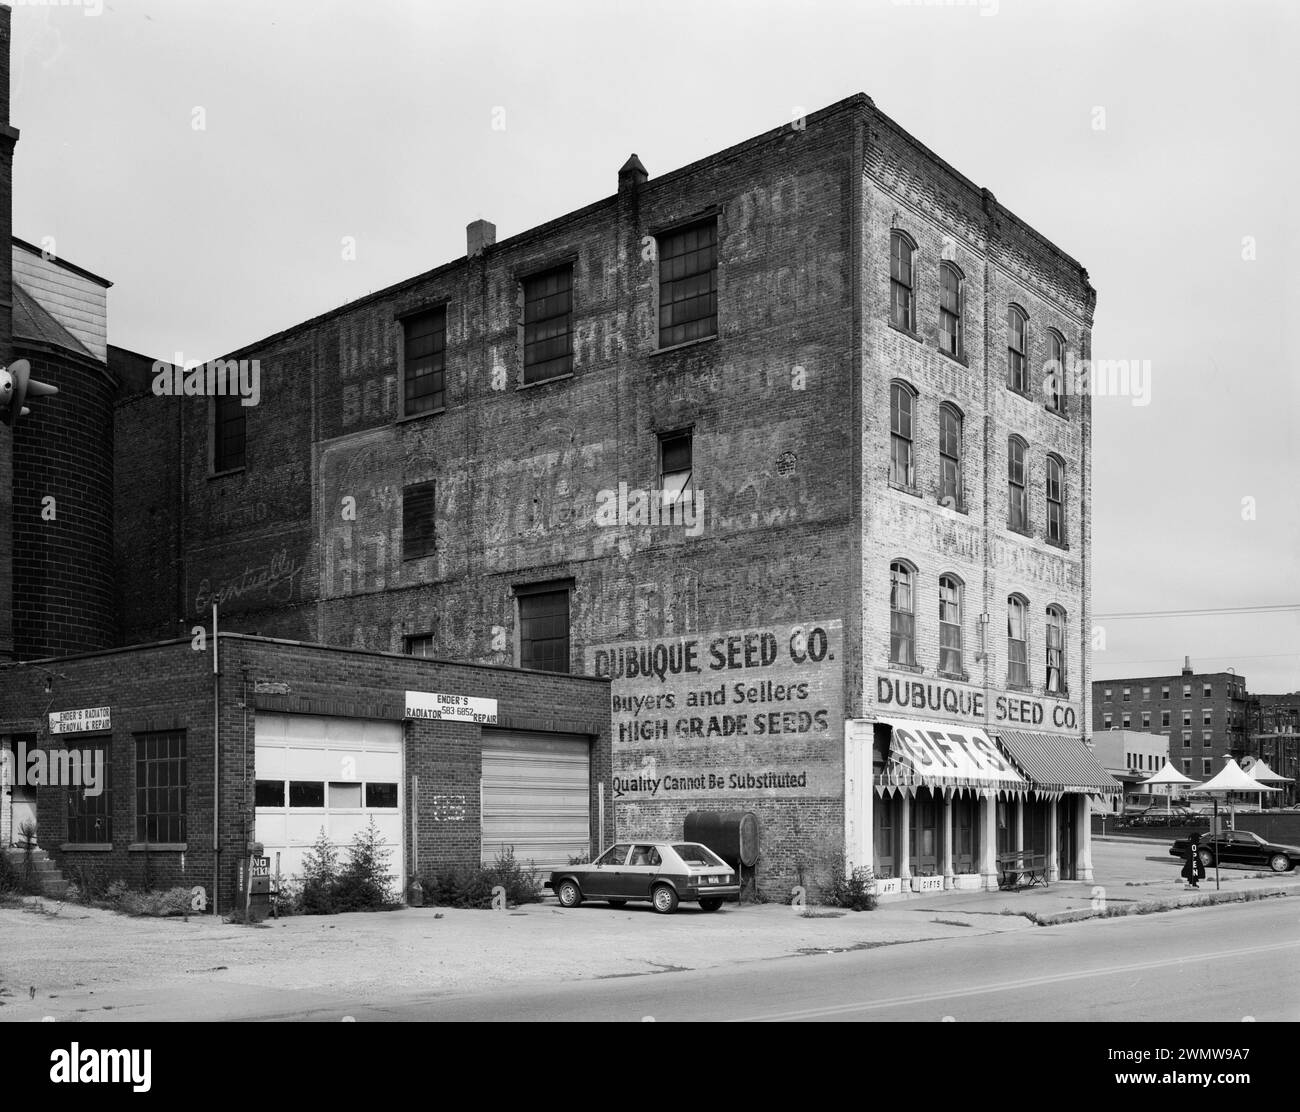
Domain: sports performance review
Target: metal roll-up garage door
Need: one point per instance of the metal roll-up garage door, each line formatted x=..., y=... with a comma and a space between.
x=335, y=774
x=536, y=796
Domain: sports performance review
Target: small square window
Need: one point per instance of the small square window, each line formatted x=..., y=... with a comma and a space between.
x=381, y=795
x=345, y=796
x=306, y=793
x=420, y=645
x=268, y=793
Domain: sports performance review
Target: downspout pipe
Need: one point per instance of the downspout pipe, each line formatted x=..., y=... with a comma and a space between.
x=216, y=767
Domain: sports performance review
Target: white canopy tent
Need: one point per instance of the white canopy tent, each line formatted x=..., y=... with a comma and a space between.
x=1167, y=777
x=1259, y=769
x=1231, y=778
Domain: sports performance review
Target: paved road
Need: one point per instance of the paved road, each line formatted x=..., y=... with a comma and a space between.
x=1212, y=964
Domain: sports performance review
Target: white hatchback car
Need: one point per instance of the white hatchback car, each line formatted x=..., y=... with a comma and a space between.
x=664, y=873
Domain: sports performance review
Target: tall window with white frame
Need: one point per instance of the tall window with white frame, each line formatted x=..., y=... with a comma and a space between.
x=902, y=405
x=950, y=485
x=1017, y=329
x=902, y=616
x=950, y=309
x=1017, y=642
x=900, y=281
x=950, y=655
x=1018, y=498
x=1055, y=500
x=1056, y=651
x=1054, y=381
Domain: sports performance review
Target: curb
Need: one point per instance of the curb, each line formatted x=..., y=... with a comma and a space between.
x=1152, y=907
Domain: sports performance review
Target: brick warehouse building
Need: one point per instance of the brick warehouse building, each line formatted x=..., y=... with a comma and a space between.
x=828, y=348
x=308, y=738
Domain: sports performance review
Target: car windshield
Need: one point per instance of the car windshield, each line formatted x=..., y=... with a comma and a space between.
x=698, y=855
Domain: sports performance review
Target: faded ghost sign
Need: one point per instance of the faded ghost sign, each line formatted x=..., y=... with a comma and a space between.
x=747, y=712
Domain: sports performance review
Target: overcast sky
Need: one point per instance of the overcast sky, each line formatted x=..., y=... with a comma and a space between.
x=325, y=119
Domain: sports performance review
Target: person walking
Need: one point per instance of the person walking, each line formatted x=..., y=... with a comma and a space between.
x=1194, y=867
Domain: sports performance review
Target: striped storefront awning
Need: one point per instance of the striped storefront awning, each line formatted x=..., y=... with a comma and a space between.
x=944, y=756
x=1058, y=763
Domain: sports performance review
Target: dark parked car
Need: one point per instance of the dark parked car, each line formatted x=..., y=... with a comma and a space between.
x=662, y=872
x=1241, y=847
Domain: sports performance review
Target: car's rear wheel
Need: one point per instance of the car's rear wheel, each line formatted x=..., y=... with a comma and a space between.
x=664, y=898
x=1279, y=863
x=1207, y=858
x=710, y=903
x=618, y=903
x=569, y=894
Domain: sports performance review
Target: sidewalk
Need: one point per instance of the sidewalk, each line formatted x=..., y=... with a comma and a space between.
x=75, y=963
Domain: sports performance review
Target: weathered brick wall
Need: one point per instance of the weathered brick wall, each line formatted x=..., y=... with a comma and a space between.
x=148, y=518
x=799, y=525
x=170, y=686
x=63, y=550
x=951, y=219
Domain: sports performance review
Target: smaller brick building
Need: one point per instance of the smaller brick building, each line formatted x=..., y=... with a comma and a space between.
x=184, y=759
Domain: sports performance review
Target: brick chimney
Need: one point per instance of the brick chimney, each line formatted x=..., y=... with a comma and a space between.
x=632, y=174
x=8, y=137
x=1187, y=666
x=479, y=236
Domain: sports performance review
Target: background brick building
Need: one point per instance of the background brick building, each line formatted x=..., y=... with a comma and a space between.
x=1202, y=713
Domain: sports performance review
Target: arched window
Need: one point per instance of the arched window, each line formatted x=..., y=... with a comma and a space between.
x=950, y=625
x=1017, y=330
x=902, y=616
x=902, y=404
x=950, y=309
x=900, y=281
x=950, y=485
x=1055, y=499
x=1054, y=380
x=1017, y=641
x=1018, y=498
x=1055, y=651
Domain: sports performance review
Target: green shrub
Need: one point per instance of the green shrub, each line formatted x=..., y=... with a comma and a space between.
x=157, y=902
x=18, y=880
x=851, y=890
x=362, y=883
x=468, y=886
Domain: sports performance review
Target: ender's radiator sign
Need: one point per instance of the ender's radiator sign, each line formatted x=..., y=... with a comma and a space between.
x=747, y=712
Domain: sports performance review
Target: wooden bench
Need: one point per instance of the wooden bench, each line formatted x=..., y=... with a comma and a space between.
x=1022, y=869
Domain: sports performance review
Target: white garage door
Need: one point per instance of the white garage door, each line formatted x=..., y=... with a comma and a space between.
x=536, y=796
x=335, y=774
